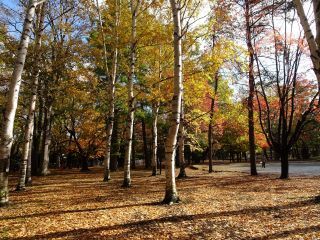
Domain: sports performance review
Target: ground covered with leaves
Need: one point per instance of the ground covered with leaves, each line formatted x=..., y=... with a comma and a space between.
x=222, y=205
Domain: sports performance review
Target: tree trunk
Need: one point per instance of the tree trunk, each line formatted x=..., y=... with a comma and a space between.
x=313, y=43
x=46, y=139
x=210, y=133
x=145, y=145
x=131, y=105
x=171, y=195
x=284, y=164
x=29, y=164
x=28, y=133
x=133, y=153
x=115, y=146
x=252, y=147
x=154, y=162
x=38, y=134
x=84, y=163
x=182, y=161
x=111, y=114
x=6, y=135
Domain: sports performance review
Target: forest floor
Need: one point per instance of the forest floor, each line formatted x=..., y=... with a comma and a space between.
x=223, y=205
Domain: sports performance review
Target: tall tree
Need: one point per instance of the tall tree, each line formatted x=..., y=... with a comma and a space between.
x=6, y=134
x=134, y=6
x=286, y=101
x=32, y=107
x=252, y=146
x=111, y=77
x=171, y=194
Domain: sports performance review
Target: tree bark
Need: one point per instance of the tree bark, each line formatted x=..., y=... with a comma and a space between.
x=111, y=114
x=182, y=161
x=29, y=163
x=284, y=164
x=252, y=146
x=6, y=135
x=313, y=43
x=46, y=139
x=171, y=194
x=154, y=162
x=133, y=152
x=210, y=132
x=28, y=134
x=115, y=145
x=38, y=133
x=145, y=144
x=131, y=105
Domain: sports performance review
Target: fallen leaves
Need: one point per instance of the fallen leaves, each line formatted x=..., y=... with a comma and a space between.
x=223, y=205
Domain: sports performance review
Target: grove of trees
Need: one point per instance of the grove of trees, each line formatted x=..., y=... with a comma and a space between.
x=171, y=83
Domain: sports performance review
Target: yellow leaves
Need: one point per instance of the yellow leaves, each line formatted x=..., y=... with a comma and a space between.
x=226, y=205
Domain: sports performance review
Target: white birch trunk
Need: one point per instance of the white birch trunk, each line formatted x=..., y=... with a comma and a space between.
x=28, y=134
x=131, y=105
x=110, y=118
x=312, y=42
x=6, y=135
x=171, y=195
x=154, y=159
x=29, y=163
x=316, y=10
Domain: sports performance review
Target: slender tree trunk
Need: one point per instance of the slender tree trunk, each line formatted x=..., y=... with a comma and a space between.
x=115, y=147
x=6, y=135
x=46, y=139
x=154, y=162
x=155, y=113
x=133, y=153
x=210, y=133
x=182, y=161
x=252, y=146
x=29, y=164
x=28, y=134
x=131, y=105
x=171, y=195
x=313, y=43
x=145, y=144
x=38, y=133
x=111, y=114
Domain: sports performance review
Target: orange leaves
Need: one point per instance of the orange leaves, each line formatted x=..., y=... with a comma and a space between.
x=223, y=205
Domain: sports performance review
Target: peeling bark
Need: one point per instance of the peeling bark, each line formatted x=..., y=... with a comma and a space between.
x=154, y=160
x=28, y=134
x=313, y=43
x=171, y=194
x=135, y=5
x=6, y=135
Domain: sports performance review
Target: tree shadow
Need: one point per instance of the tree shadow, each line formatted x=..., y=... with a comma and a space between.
x=173, y=219
x=54, y=213
x=310, y=229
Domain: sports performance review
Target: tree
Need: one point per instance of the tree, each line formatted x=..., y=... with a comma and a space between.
x=171, y=194
x=111, y=78
x=313, y=42
x=252, y=146
x=287, y=104
x=12, y=102
x=134, y=5
x=30, y=119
